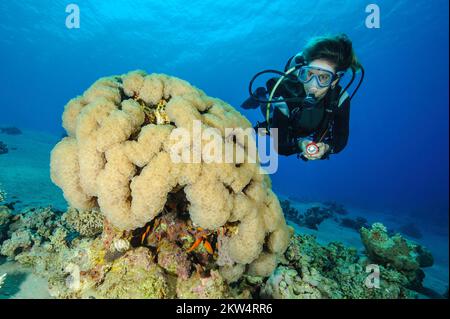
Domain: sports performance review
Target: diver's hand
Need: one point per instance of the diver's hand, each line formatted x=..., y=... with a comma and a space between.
x=302, y=144
x=323, y=148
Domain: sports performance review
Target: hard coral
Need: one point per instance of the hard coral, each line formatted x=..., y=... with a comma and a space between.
x=134, y=276
x=173, y=259
x=5, y=219
x=397, y=251
x=314, y=216
x=2, y=195
x=285, y=283
x=289, y=211
x=403, y=255
x=336, y=208
x=354, y=223
x=86, y=222
x=118, y=158
x=331, y=271
x=199, y=287
x=41, y=221
x=19, y=241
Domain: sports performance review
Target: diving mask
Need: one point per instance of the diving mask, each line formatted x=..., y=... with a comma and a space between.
x=323, y=77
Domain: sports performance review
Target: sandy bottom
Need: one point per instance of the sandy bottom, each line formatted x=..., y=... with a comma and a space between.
x=21, y=283
x=24, y=174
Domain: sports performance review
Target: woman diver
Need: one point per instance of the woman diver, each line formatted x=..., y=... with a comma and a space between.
x=306, y=103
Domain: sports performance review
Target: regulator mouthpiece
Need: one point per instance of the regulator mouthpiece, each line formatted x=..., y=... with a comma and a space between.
x=310, y=101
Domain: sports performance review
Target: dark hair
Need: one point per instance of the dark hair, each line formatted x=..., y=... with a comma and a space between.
x=337, y=49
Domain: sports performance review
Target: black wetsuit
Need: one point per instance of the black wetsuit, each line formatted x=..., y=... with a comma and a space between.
x=309, y=122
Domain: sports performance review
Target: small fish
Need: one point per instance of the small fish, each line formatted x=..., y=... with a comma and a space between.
x=144, y=235
x=208, y=247
x=195, y=245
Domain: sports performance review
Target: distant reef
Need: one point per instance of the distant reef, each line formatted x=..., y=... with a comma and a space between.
x=10, y=130
x=3, y=148
x=315, y=215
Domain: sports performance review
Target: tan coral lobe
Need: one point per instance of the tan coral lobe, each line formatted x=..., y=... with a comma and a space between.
x=117, y=158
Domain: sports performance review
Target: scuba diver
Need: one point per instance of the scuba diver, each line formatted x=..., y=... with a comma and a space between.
x=306, y=103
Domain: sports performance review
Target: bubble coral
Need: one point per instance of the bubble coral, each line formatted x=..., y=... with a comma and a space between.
x=118, y=157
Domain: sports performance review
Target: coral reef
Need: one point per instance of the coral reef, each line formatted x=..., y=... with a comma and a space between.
x=290, y=212
x=411, y=230
x=2, y=194
x=27, y=229
x=134, y=276
x=3, y=148
x=10, y=130
x=88, y=223
x=332, y=271
x=286, y=283
x=336, y=208
x=112, y=265
x=5, y=220
x=397, y=252
x=5, y=216
x=198, y=287
x=314, y=216
x=310, y=219
x=19, y=241
x=39, y=222
x=354, y=223
x=173, y=259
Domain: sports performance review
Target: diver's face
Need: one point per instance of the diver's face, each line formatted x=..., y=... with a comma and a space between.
x=312, y=86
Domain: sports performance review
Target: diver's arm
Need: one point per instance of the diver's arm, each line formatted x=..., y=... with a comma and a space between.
x=341, y=128
x=285, y=145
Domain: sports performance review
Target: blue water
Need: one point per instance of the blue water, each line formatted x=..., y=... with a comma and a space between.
x=397, y=156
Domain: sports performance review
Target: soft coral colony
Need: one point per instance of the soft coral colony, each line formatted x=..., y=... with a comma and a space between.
x=193, y=219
